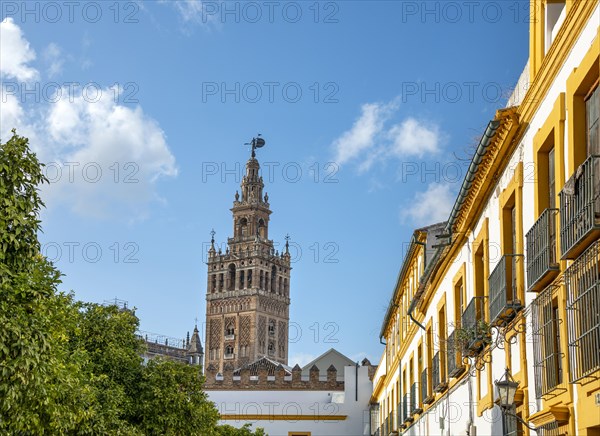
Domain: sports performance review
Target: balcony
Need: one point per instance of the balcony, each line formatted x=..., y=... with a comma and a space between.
x=583, y=314
x=547, y=354
x=391, y=424
x=438, y=383
x=405, y=407
x=504, y=303
x=474, y=334
x=580, y=209
x=414, y=400
x=455, y=365
x=542, y=265
x=427, y=398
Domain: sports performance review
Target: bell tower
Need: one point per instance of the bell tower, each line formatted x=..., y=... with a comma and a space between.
x=248, y=287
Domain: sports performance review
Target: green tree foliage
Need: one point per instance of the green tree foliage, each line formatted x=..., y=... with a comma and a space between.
x=72, y=368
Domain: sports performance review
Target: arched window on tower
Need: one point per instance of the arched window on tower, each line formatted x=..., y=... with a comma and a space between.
x=231, y=278
x=262, y=228
x=271, y=327
x=242, y=284
x=285, y=287
x=280, y=289
x=221, y=279
x=262, y=280
x=213, y=283
x=249, y=278
x=244, y=227
x=273, y=278
x=266, y=281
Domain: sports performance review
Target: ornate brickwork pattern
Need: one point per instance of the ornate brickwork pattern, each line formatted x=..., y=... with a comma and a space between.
x=245, y=330
x=281, y=339
x=215, y=333
x=262, y=333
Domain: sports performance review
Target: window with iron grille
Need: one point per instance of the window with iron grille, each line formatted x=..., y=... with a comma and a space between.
x=583, y=313
x=547, y=362
x=549, y=429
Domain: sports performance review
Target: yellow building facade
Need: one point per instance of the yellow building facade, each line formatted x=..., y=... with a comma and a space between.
x=511, y=281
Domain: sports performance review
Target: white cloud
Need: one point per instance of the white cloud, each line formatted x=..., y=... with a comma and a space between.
x=414, y=138
x=361, y=137
x=11, y=114
x=430, y=206
x=370, y=141
x=103, y=159
x=15, y=53
x=54, y=57
x=123, y=144
x=197, y=11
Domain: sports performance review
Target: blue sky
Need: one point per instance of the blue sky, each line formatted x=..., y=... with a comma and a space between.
x=141, y=110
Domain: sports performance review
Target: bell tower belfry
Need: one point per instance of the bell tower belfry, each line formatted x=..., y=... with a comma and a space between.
x=248, y=288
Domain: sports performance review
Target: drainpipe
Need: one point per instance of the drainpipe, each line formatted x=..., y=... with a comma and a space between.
x=356, y=383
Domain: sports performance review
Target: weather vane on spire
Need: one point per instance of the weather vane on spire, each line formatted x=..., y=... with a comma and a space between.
x=257, y=142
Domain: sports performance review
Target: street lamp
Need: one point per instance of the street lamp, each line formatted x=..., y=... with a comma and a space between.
x=507, y=388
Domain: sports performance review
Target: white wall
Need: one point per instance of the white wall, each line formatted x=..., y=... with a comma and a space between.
x=305, y=403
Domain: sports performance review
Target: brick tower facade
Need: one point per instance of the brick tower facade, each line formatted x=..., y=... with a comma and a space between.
x=248, y=287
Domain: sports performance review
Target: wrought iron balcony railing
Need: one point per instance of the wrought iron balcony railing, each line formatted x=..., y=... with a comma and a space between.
x=542, y=264
x=580, y=208
x=425, y=394
x=454, y=359
x=438, y=380
x=414, y=400
x=547, y=355
x=405, y=408
x=583, y=314
x=474, y=333
x=504, y=301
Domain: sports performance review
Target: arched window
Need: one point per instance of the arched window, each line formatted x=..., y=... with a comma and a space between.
x=273, y=278
x=280, y=290
x=262, y=280
x=231, y=278
x=271, y=327
x=262, y=228
x=221, y=279
x=242, y=274
x=244, y=227
x=285, y=287
x=213, y=283
x=228, y=351
x=249, y=278
x=266, y=281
